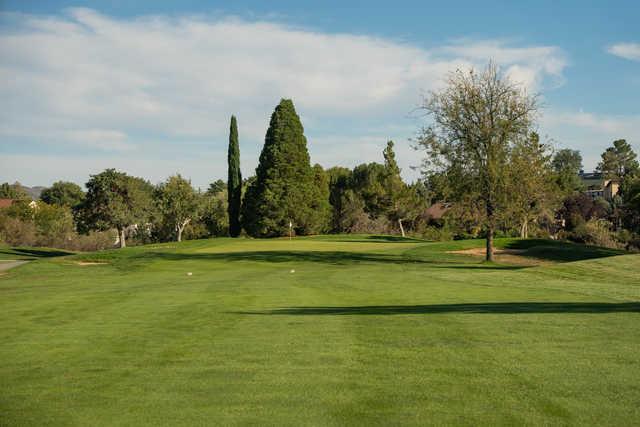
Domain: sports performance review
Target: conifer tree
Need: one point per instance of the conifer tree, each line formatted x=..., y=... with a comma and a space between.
x=619, y=161
x=401, y=201
x=320, y=219
x=234, y=183
x=283, y=190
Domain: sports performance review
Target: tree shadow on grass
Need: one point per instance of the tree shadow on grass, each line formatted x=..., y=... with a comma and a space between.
x=378, y=238
x=387, y=239
x=475, y=308
x=34, y=253
x=324, y=257
x=550, y=250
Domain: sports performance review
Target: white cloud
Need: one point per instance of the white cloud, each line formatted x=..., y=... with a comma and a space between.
x=158, y=85
x=591, y=133
x=530, y=65
x=602, y=124
x=629, y=51
x=104, y=139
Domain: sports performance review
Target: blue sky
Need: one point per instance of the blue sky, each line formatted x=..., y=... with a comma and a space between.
x=148, y=87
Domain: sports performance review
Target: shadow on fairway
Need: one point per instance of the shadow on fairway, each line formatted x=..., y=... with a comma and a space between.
x=333, y=257
x=557, y=251
x=476, y=308
x=378, y=238
x=34, y=253
x=382, y=239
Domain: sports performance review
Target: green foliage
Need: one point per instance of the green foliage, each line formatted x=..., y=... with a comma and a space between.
x=54, y=223
x=619, y=161
x=63, y=193
x=20, y=209
x=283, y=191
x=597, y=232
x=339, y=181
x=216, y=187
x=234, y=182
x=631, y=203
x=532, y=193
x=440, y=234
x=352, y=212
x=363, y=199
x=393, y=184
x=368, y=182
x=13, y=191
x=47, y=225
x=567, y=164
x=401, y=201
x=215, y=214
x=178, y=204
x=320, y=215
x=355, y=219
x=367, y=198
x=437, y=187
x=390, y=164
x=16, y=231
x=115, y=200
x=579, y=208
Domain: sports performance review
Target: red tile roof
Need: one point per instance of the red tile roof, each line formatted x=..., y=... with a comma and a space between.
x=437, y=210
x=5, y=203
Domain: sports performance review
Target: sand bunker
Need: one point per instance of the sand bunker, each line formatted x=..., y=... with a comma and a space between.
x=505, y=256
x=83, y=263
x=483, y=251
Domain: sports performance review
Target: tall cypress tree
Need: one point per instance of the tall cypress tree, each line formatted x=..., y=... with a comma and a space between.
x=234, y=183
x=283, y=190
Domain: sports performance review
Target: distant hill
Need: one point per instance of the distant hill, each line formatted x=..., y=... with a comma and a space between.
x=34, y=192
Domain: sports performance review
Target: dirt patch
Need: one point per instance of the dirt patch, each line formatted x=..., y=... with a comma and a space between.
x=482, y=251
x=505, y=256
x=84, y=263
x=5, y=265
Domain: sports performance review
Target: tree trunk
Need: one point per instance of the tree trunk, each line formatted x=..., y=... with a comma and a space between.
x=401, y=227
x=180, y=229
x=524, y=228
x=490, y=229
x=123, y=242
x=490, y=243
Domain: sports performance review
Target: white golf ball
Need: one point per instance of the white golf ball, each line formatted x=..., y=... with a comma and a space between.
x=292, y=271
x=189, y=273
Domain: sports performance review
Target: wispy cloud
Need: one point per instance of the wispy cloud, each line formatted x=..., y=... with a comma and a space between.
x=629, y=51
x=157, y=84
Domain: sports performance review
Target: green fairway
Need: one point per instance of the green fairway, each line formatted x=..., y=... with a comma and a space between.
x=328, y=330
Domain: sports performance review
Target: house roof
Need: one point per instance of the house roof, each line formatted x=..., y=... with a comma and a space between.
x=590, y=175
x=5, y=203
x=437, y=210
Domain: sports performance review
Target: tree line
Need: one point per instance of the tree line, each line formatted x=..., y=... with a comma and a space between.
x=483, y=162
x=287, y=194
